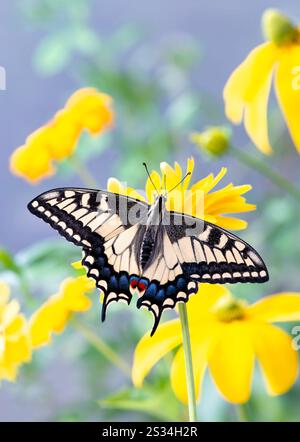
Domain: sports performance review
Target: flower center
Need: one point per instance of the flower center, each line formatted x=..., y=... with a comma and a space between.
x=229, y=309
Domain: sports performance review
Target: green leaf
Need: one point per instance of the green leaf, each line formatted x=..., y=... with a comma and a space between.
x=156, y=400
x=126, y=37
x=85, y=40
x=42, y=253
x=7, y=262
x=183, y=53
x=183, y=109
x=53, y=54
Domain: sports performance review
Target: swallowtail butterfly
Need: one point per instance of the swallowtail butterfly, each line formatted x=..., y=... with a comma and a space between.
x=130, y=247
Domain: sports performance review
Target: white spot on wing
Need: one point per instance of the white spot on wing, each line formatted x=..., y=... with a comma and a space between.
x=69, y=193
x=239, y=245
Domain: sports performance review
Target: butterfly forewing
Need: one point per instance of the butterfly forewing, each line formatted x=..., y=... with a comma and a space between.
x=211, y=254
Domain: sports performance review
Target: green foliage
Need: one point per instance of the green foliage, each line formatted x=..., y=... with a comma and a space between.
x=156, y=400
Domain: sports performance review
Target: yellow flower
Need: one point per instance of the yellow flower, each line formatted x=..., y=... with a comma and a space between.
x=14, y=341
x=247, y=91
x=54, y=314
x=87, y=109
x=226, y=337
x=198, y=200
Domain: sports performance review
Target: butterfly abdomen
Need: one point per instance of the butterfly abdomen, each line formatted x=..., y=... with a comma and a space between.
x=147, y=248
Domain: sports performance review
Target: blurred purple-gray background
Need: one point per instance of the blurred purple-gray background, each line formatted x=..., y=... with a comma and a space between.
x=224, y=32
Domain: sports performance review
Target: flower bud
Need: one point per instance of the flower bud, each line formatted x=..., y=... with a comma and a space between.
x=278, y=28
x=213, y=140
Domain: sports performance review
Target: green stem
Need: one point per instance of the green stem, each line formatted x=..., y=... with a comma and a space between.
x=263, y=168
x=101, y=346
x=188, y=362
x=83, y=172
x=242, y=413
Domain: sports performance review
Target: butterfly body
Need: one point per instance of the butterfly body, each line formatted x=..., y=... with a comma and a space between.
x=131, y=248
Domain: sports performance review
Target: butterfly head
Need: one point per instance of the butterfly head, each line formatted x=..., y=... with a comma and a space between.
x=163, y=196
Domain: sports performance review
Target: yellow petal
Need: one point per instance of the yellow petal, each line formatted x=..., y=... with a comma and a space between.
x=282, y=307
x=189, y=169
x=256, y=120
x=64, y=135
x=178, y=373
x=8, y=372
x=115, y=186
x=10, y=313
x=244, y=81
x=15, y=326
x=73, y=293
x=278, y=360
x=232, y=360
x=173, y=175
x=288, y=90
x=31, y=163
x=77, y=265
x=151, y=349
x=4, y=293
x=150, y=190
x=207, y=185
x=17, y=350
x=248, y=89
x=233, y=94
x=91, y=109
x=220, y=200
x=227, y=222
x=50, y=317
x=256, y=116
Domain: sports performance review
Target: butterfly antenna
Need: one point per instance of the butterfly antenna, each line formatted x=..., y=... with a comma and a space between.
x=145, y=165
x=181, y=181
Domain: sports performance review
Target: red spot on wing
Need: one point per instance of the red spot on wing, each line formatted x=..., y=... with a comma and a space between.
x=134, y=283
x=141, y=286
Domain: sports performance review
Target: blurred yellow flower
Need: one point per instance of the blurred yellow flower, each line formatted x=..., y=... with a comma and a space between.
x=54, y=314
x=198, y=200
x=226, y=337
x=247, y=91
x=87, y=109
x=14, y=340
